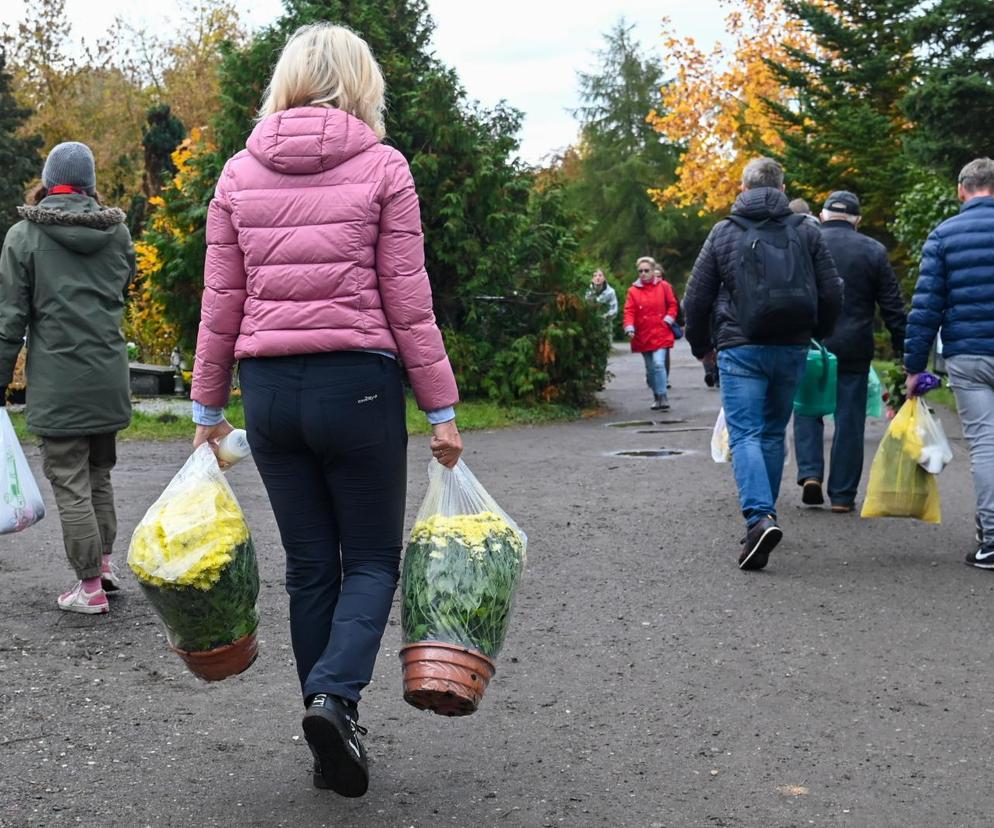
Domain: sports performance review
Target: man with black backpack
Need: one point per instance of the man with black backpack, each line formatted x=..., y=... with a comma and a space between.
x=767, y=282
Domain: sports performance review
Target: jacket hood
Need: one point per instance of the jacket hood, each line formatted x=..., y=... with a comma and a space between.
x=77, y=222
x=761, y=202
x=309, y=139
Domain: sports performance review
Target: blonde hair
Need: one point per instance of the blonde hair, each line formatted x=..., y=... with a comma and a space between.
x=649, y=259
x=327, y=65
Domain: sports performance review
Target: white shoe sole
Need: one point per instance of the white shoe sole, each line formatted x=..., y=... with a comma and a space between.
x=83, y=609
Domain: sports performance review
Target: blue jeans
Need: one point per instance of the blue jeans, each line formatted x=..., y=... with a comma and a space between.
x=655, y=371
x=758, y=383
x=847, y=444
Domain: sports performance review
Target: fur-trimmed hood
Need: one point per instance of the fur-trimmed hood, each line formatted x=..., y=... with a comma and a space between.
x=75, y=221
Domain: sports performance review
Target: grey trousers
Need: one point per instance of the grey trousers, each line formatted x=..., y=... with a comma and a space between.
x=972, y=380
x=79, y=470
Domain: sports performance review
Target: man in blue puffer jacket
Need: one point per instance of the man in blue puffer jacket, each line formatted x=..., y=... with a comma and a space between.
x=955, y=292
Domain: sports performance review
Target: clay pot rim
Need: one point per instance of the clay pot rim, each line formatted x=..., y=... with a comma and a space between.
x=214, y=651
x=447, y=646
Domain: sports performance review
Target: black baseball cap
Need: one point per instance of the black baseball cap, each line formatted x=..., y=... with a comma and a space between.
x=842, y=201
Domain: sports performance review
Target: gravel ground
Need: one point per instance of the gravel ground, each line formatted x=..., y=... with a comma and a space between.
x=646, y=681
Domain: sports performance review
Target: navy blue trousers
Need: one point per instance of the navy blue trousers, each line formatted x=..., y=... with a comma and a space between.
x=329, y=437
x=847, y=443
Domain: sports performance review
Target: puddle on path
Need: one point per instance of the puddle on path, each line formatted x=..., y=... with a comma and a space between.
x=672, y=430
x=647, y=453
x=644, y=423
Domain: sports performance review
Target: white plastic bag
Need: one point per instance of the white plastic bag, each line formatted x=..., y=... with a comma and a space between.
x=20, y=505
x=936, y=451
x=721, y=451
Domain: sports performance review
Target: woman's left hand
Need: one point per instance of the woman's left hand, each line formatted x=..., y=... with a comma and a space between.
x=213, y=435
x=446, y=444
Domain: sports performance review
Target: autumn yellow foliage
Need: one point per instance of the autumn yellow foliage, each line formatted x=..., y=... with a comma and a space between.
x=145, y=320
x=714, y=103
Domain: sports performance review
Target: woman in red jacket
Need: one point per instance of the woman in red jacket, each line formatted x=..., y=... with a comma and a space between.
x=650, y=309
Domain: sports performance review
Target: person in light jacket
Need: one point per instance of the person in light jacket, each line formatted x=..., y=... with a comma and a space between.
x=602, y=293
x=315, y=281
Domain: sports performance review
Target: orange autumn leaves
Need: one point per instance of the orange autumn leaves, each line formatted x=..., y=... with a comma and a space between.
x=714, y=104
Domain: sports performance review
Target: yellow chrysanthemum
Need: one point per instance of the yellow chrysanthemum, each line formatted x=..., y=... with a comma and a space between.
x=189, y=540
x=472, y=531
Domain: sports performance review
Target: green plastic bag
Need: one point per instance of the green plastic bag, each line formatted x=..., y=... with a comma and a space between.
x=874, y=395
x=899, y=486
x=816, y=394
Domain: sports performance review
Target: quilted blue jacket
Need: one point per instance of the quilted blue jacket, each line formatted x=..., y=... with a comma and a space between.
x=955, y=289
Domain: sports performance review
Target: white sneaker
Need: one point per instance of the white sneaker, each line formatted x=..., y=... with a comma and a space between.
x=88, y=603
x=109, y=579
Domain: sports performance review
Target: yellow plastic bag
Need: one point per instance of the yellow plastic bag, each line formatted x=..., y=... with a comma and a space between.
x=899, y=486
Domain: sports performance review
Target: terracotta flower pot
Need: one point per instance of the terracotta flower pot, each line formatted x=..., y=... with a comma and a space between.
x=221, y=662
x=444, y=678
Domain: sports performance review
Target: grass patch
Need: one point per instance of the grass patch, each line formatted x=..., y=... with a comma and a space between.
x=472, y=415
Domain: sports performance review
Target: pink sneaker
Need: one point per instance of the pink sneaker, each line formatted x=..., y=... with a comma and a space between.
x=109, y=579
x=89, y=603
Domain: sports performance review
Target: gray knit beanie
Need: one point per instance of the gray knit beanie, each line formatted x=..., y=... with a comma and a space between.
x=70, y=163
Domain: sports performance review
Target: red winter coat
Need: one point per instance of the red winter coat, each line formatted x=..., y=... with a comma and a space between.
x=646, y=309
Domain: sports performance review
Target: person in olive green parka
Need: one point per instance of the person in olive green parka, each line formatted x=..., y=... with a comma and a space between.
x=64, y=272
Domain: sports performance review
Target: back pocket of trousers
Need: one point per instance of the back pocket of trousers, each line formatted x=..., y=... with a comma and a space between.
x=355, y=419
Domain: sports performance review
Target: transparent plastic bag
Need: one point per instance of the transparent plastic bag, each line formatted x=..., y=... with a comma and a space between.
x=462, y=565
x=936, y=453
x=899, y=485
x=874, y=395
x=21, y=505
x=194, y=559
x=721, y=451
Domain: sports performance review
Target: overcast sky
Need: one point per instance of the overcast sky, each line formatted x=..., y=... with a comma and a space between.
x=525, y=51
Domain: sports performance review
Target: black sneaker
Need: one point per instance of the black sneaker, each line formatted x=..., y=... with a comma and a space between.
x=811, y=494
x=983, y=558
x=332, y=731
x=657, y=403
x=760, y=540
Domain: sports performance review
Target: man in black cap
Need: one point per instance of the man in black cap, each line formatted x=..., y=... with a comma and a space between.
x=869, y=281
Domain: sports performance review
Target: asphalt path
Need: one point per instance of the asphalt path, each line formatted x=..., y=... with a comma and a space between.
x=645, y=681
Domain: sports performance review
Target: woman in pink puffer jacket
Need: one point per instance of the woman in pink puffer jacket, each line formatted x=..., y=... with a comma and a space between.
x=315, y=282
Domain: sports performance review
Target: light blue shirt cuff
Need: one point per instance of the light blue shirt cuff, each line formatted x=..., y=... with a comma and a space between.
x=207, y=415
x=441, y=415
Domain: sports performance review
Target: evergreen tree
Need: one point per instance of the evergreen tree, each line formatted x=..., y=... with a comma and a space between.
x=951, y=101
x=619, y=158
x=845, y=128
x=19, y=158
x=161, y=135
x=500, y=255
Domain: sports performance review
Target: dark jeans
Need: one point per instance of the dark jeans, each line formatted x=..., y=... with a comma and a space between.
x=847, y=443
x=79, y=470
x=329, y=437
x=758, y=383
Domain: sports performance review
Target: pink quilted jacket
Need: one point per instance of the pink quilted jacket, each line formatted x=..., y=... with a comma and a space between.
x=314, y=244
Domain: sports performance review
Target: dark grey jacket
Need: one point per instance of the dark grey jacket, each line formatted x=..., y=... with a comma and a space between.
x=870, y=281
x=64, y=270
x=709, y=296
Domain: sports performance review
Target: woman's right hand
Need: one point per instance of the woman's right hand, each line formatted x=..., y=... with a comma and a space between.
x=212, y=435
x=446, y=444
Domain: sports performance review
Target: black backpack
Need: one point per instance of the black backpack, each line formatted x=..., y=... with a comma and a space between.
x=775, y=292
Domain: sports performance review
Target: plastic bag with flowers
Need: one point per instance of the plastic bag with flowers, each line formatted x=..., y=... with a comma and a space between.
x=461, y=570
x=21, y=505
x=193, y=556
